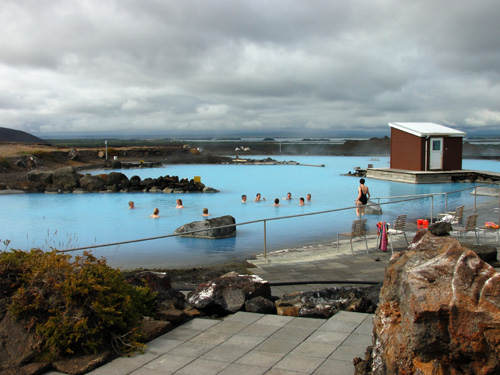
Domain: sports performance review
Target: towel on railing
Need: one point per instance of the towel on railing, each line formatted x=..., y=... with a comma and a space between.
x=382, y=235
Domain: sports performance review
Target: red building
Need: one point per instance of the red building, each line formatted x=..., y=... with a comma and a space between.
x=425, y=146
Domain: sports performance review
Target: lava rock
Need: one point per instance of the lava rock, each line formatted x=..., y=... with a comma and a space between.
x=65, y=179
x=40, y=176
x=117, y=179
x=440, y=228
x=116, y=164
x=151, y=328
x=228, y=293
x=487, y=253
x=260, y=305
x=82, y=364
x=73, y=154
x=91, y=183
x=327, y=302
x=17, y=345
x=439, y=312
x=209, y=228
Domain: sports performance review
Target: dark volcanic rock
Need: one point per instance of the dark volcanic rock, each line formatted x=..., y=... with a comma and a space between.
x=65, y=179
x=156, y=281
x=440, y=228
x=116, y=164
x=327, y=302
x=151, y=328
x=91, y=183
x=17, y=344
x=81, y=364
x=229, y=292
x=210, y=225
x=117, y=179
x=40, y=176
x=260, y=305
x=439, y=312
x=487, y=253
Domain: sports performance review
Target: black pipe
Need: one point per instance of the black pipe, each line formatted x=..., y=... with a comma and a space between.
x=325, y=282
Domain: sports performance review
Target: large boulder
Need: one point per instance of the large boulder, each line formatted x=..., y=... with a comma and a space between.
x=260, y=305
x=210, y=228
x=441, y=228
x=17, y=345
x=488, y=253
x=228, y=293
x=117, y=179
x=65, y=178
x=327, y=302
x=91, y=183
x=81, y=364
x=439, y=312
x=43, y=177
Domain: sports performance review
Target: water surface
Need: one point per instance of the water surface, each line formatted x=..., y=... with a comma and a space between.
x=72, y=220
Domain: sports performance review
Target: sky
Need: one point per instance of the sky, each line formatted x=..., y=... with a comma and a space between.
x=255, y=67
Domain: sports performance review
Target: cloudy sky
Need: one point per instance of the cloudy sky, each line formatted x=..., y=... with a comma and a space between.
x=247, y=66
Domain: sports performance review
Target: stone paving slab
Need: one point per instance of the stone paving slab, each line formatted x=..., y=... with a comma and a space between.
x=296, y=346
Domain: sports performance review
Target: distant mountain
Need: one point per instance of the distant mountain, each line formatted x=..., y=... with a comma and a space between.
x=18, y=136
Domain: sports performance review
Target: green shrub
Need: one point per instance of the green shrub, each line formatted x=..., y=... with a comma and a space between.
x=78, y=305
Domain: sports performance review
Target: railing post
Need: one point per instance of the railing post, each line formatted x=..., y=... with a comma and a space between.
x=475, y=197
x=445, y=202
x=432, y=206
x=265, y=240
x=378, y=201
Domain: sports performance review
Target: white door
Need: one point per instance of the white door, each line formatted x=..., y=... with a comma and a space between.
x=436, y=153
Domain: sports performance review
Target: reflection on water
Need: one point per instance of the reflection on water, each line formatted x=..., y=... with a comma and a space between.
x=71, y=220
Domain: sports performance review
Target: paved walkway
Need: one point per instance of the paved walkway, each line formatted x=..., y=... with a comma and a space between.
x=253, y=344
x=248, y=343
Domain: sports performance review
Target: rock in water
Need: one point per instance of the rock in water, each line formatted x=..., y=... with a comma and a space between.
x=439, y=312
x=229, y=292
x=210, y=225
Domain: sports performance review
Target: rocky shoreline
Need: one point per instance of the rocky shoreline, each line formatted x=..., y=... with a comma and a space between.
x=68, y=180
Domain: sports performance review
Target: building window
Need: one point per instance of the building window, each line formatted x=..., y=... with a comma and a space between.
x=436, y=145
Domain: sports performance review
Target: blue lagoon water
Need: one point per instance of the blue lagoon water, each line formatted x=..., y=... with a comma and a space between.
x=73, y=220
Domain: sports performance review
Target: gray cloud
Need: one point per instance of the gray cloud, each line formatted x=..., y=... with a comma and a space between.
x=160, y=66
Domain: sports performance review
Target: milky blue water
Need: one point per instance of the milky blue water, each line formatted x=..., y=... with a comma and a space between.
x=72, y=220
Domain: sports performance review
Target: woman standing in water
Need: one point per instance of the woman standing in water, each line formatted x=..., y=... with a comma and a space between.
x=362, y=199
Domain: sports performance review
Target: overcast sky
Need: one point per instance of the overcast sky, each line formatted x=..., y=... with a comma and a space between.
x=252, y=66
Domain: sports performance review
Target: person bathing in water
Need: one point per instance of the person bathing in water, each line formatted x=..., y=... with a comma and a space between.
x=131, y=205
x=259, y=198
x=179, y=204
x=155, y=214
x=243, y=198
x=301, y=201
x=362, y=199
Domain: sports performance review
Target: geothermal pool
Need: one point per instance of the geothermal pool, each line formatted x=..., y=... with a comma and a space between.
x=73, y=220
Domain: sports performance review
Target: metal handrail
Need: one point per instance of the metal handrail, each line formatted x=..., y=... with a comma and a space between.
x=265, y=220
x=429, y=194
